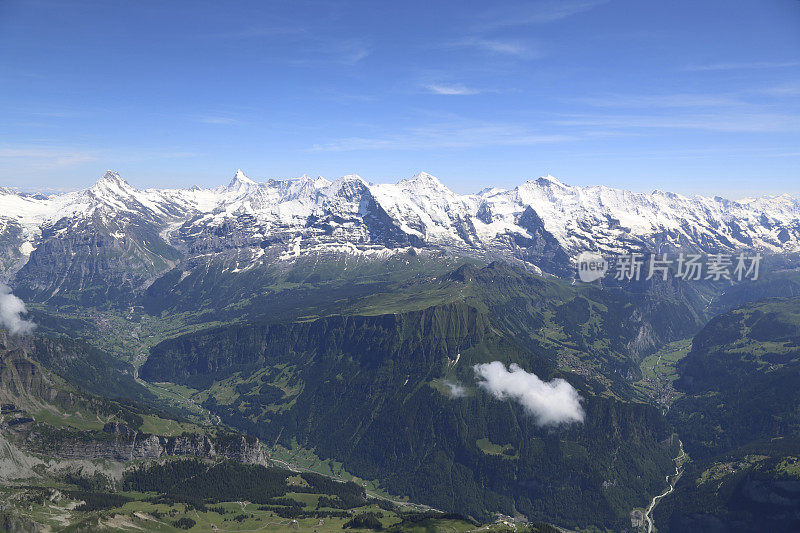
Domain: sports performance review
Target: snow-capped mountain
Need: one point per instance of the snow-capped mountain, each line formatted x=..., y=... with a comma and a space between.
x=613, y=220
x=115, y=234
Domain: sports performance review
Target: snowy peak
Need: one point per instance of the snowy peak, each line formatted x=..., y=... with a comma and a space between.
x=111, y=176
x=537, y=221
x=423, y=179
x=241, y=177
x=112, y=194
x=321, y=183
x=350, y=178
x=424, y=185
x=550, y=181
x=112, y=183
x=348, y=184
x=350, y=187
x=241, y=182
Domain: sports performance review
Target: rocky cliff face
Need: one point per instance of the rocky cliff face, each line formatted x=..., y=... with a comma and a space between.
x=28, y=388
x=119, y=442
x=85, y=367
x=426, y=338
x=23, y=382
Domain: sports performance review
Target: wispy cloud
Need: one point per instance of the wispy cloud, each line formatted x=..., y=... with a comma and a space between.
x=218, y=119
x=56, y=114
x=748, y=102
x=742, y=66
x=782, y=90
x=456, y=389
x=784, y=154
x=496, y=46
x=447, y=135
x=256, y=32
x=308, y=47
x=178, y=155
x=347, y=52
x=536, y=12
x=660, y=100
x=451, y=89
x=720, y=122
x=46, y=157
x=24, y=159
x=350, y=51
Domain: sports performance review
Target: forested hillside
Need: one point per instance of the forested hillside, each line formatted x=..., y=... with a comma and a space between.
x=740, y=423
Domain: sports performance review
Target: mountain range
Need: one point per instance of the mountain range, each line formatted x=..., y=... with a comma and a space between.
x=114, y=235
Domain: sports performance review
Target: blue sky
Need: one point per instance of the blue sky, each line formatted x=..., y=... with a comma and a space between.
x=695, y=97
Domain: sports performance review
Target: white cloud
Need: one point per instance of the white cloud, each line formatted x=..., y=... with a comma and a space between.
x=11, y=311
x=451, y=90
x=457, y=390
x=550, y=403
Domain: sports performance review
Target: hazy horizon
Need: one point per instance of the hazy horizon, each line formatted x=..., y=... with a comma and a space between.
x=262, y=179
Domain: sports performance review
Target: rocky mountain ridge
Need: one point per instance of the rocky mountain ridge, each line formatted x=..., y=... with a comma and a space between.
x=113, y=237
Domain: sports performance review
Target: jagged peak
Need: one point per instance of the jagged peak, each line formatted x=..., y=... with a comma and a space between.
x=667, y=194
x=784, y=197
x=489, y=191
x=351, y=177
x=349, y=180
x=350, y=186
x=321, y=182
x=241, y=178
x=111, y=176
x=424, y=176
x=425, y=180
x=550, y=180
x=112, y=182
